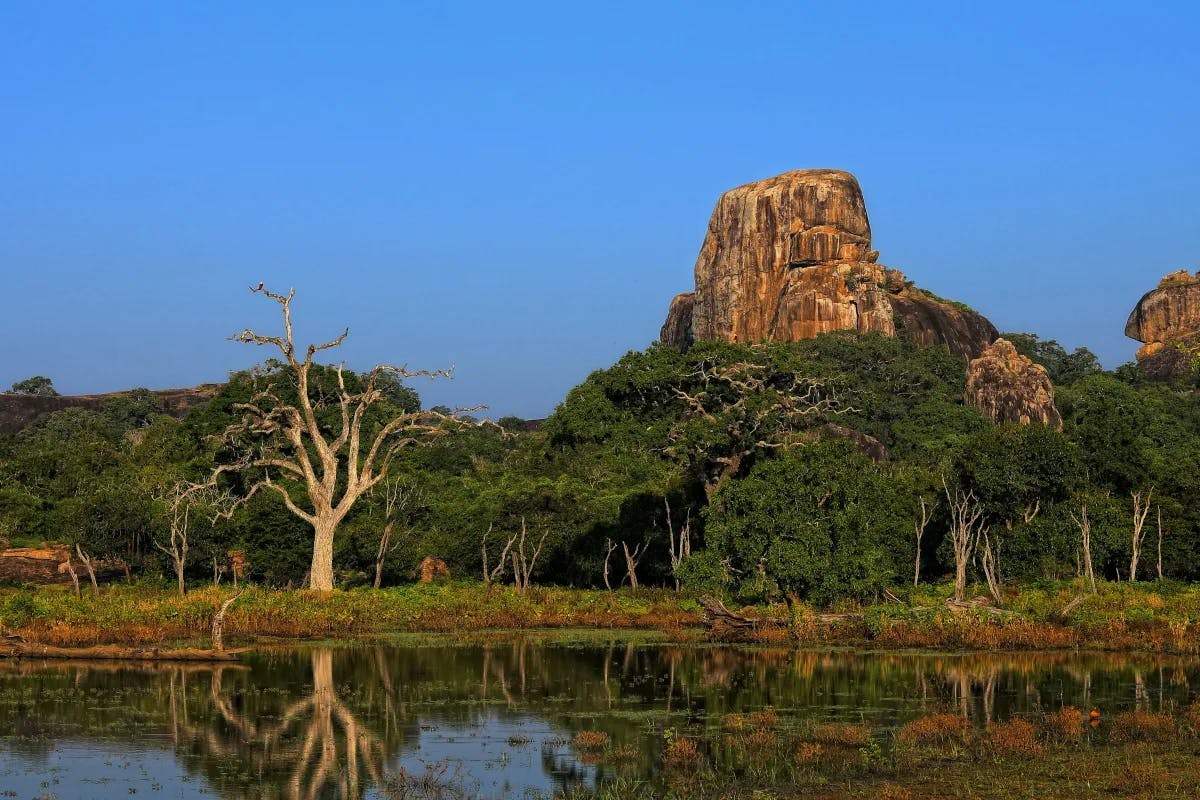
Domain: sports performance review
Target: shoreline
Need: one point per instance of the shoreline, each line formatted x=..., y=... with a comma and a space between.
x=1122, y=619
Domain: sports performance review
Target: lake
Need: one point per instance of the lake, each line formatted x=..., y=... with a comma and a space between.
x=490, y=720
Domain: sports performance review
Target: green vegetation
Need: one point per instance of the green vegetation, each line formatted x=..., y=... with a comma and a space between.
x=791, y=473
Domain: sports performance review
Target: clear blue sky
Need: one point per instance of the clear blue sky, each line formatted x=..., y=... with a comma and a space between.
x=520, y=189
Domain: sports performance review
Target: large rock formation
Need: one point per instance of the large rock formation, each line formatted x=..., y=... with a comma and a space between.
x=1009, y=387
x=1167, y=321
x=18, y=411
x=790, y=257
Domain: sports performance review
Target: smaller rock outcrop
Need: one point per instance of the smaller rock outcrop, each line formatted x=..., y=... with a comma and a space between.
x=1009, y=387
x=1167, y=321
x=19, y=411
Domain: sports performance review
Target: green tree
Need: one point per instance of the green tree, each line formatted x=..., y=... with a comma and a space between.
x=39, y=385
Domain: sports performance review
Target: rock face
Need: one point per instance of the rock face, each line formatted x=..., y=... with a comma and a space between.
x=790, y=257
x=1167, y=321
x=1009, y=387
x=18, y=411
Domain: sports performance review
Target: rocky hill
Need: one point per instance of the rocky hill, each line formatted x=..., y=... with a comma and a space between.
x=20, y=410
x=790, y=257
x=1167, y=321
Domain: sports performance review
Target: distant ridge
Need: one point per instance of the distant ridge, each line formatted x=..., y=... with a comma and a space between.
x=19, y=411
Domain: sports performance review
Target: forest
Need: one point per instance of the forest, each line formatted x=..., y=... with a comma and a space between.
x=837, y=469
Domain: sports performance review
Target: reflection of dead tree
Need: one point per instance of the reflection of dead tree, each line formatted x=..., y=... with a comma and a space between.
x=683, y=548
x=609, y=547
x=1141, y=507
x=523, y=563
x=1085, y=534
x=926, y=515
x=631, y=562
x=329, y=753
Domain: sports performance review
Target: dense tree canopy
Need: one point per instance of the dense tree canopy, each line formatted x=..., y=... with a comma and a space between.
x=797, y=469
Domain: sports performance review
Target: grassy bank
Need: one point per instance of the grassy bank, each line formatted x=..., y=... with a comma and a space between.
x=1151, y=617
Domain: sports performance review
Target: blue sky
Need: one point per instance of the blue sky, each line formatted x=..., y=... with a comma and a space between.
x=519, y=189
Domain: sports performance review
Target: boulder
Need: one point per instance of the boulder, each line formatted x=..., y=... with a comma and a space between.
x=790, y=257
x=1009, y=387
x=1167, y=321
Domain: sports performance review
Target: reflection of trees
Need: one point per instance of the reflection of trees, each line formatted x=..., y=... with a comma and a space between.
x=313, y=747
x=327, y=722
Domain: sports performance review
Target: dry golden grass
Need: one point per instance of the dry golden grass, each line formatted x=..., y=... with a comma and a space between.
x=1016, y=738
x=840, y=734
x=943, y=728
x=682, y=753
x=1142, y=726
x=1064, y=725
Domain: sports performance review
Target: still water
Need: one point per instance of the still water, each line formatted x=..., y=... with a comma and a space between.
x=497, y=719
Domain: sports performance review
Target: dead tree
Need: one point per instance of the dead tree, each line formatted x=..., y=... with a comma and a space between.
x=609, y=547
x=396, y=497
x=523, y=562
x=181, y=500
x=495, y=573
x=69, y=568
x=1141, y=507
x=966, y=524
x=631, y=562
x=919, y=529
x=988, y=556
x=218, y=626
x=87, y=562
x=1085, y=533
x=1160, y=537
x=754, y=407
x=325, y=452
x=680, y=549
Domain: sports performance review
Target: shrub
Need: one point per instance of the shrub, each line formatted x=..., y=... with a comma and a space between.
x=682, y=754
x=591, y=741
x=1015, y=738
x=1142, y=726
x=1064, y=725
x=840, y=734
x=942, y=728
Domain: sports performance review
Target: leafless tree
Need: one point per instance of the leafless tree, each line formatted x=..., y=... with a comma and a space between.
x=1160, y=537
x=89, y=565
x=397, y=496
x=988, y=556
x=966, y=525
x=69, y=568
x=328, y=450
x=1141, y=507
x=181, y=499
x=632, y=560
x=524, y=562
x=490, y=576
x=681, y=548
x=756, y=408
x=609, y=547
x=218, y=626
x=1085, y=533
x=927, y=510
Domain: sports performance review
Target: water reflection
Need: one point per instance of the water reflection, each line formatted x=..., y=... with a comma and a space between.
x=336, y=722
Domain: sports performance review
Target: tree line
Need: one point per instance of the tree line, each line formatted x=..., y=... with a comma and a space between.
x=812, y=472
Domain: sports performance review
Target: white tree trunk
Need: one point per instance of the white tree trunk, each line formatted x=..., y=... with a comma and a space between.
x=321, y=572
